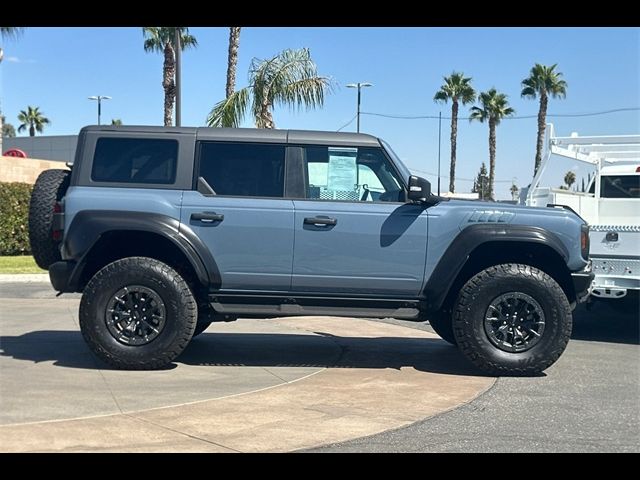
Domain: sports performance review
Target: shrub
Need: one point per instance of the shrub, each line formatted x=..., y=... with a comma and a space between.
x=14, y=218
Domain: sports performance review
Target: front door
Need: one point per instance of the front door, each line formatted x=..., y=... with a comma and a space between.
x=244, y=219
x=354, y=233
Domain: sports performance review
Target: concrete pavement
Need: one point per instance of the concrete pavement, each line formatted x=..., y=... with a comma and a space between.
x=251, y=385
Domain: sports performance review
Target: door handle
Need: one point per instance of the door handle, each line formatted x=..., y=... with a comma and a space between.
x=207, y=217
x=320, y=221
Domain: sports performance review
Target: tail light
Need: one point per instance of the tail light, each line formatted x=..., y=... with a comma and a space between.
x=584, y=241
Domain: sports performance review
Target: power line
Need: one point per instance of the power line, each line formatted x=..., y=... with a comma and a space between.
x=348, y=123
x=520, y=117
x=457, y=178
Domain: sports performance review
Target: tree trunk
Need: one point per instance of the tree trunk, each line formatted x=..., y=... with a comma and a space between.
x=266, y=118
x=232, y=59
x=542, y=118
x=32, y=130
x=492, y=156
x=454, y=136
x=1, y=122
x=169, y=83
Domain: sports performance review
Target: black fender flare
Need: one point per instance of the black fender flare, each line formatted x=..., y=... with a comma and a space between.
x=470, y=238
x=88, y=226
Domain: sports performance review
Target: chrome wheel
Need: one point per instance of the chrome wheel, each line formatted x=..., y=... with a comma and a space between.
x=514, y=322
x=135, y=315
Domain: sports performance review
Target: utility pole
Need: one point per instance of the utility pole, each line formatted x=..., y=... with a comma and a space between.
x=359, y=86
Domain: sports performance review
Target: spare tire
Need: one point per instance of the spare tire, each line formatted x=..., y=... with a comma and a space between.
x=49, y=188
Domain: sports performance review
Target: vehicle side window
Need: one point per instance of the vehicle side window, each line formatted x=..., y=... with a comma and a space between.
x=243, y=169
x=135, y=160
x=620, y=186
x=357, y=174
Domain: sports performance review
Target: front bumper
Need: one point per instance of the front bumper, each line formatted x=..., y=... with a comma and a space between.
x=582, y=283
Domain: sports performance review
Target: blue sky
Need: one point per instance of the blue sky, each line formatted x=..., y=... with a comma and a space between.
x=57, y=68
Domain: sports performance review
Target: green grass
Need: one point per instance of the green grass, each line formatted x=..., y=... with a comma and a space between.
x=20, y=264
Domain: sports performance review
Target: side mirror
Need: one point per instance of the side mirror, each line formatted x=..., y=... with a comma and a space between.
x=419, y=188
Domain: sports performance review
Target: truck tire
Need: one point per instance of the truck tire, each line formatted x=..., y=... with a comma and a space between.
x=512, y=319
x=137, y=313
x=442, y=324
x=50, y=187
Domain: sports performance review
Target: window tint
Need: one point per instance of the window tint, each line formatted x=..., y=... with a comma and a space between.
x=133, y=160
x=351, y=174
x=620, y=186
x=245, y=170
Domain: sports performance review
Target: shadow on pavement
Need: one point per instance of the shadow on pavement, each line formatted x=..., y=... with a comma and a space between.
x=67, y=349
x=604, y=323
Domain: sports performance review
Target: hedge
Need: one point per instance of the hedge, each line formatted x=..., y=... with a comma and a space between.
x=14, y=218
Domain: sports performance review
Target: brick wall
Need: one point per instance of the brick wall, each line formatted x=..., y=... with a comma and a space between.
x=13, y=169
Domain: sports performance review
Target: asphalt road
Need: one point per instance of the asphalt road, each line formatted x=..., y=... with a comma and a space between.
x=589, y=401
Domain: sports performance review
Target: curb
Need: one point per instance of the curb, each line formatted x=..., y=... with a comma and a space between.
x=24, y=278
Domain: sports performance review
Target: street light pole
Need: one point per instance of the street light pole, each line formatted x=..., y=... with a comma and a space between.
x=439, y=144
x=359, y=86
x=99, y=98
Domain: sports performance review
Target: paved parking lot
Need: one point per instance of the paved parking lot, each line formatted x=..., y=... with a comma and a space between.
x=283, y=385
x=589, y=401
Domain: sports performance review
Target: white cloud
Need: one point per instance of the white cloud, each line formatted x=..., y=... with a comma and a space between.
x=19, y=60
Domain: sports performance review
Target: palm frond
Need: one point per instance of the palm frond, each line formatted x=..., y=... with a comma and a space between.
x=477, y=113
x=456, y=87
x=544, y=80
x=231, y=111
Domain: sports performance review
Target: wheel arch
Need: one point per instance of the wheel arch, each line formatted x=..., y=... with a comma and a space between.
x=96, y=238
x=480, y=246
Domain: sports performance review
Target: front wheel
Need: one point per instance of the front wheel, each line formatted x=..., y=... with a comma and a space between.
x=512, y=319
x=137, y=313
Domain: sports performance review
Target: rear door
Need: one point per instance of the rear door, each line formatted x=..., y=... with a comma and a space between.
x=354, y=233
x=244, y=219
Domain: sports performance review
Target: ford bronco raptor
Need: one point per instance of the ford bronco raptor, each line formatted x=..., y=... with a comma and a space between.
x=165, y=230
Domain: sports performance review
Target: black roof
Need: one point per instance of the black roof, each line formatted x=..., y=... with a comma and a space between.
x=252, y=134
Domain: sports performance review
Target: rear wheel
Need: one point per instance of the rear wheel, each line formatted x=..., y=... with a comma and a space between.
x=512, y=319
x=137, y=313
x=50, y=187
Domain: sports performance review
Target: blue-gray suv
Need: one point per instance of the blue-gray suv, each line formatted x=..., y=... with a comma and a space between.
x=165, y=230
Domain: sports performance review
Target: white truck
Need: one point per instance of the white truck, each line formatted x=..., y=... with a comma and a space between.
x=610, y=203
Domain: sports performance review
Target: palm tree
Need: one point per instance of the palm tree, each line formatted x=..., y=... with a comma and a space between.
x=7, y=129
x=569, y=179
x=5, y=33
x=232, y=59
x=494, y=107
x=543, y=81
x=458, y=89
x=289, y=78
x=32, y=118
x=162, y=39
x=116, y=122
x=8, y=32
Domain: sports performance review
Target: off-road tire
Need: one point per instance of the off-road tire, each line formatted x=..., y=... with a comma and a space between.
x=472, y=304
x=180, y=305
x=50, y=187
x=442, y=324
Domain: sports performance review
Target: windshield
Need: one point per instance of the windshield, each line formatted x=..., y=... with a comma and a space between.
x=404, y=171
